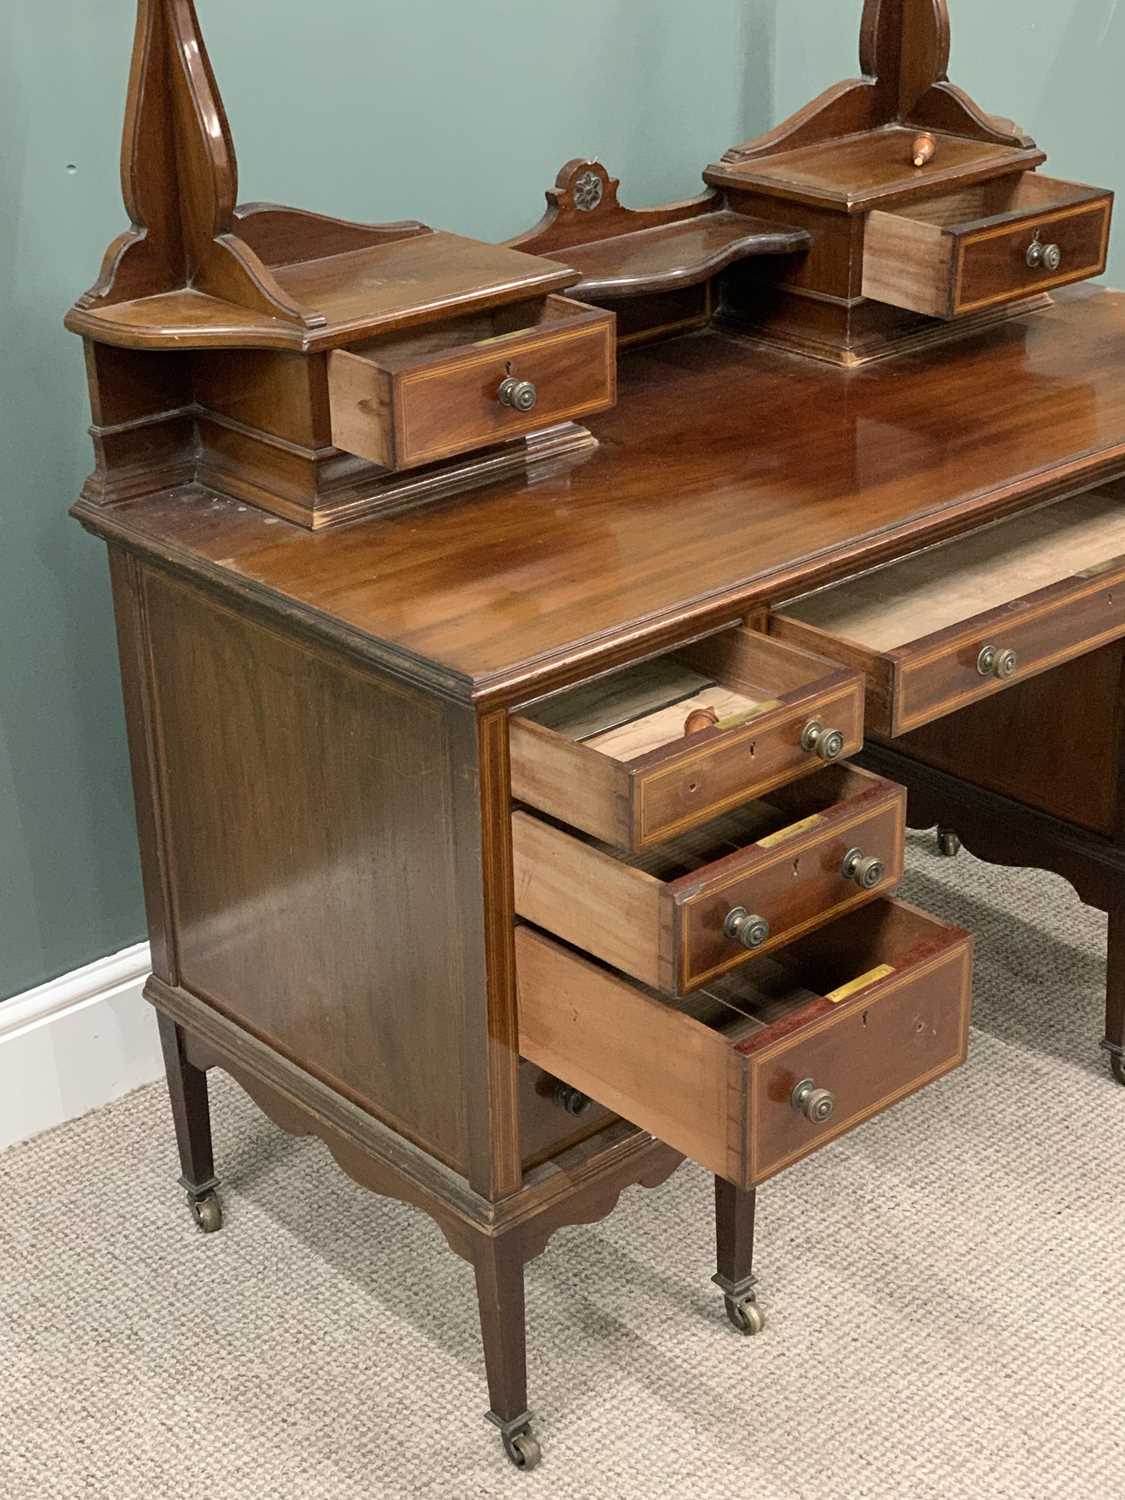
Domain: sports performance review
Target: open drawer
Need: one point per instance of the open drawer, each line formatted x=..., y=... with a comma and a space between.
x=759, y=1069
x=964, y=619
x=646, y=753
x=410, y=398
x=737, y=888
x=986, y=244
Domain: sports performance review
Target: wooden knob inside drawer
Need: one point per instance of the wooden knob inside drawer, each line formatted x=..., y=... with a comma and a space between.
x=699, y=719
x=923, y=149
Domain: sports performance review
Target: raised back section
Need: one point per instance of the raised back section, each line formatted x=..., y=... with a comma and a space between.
x=179, y=180
x=654, y=267
x=903, y=56
x=583, y=208
x=193, y=269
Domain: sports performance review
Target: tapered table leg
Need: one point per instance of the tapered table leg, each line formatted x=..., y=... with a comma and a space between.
x=734, y=1242
x=1114, y=1042
x=191, y=1113
x=503, y=1326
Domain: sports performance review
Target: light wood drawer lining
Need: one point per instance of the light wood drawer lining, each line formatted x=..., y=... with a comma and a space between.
x=632, y=785
x=916, y=628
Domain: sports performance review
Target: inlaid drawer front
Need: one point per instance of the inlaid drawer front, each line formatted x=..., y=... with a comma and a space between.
x=413, y=398
x=761, y=1068
x=643, y=755
x=987, y=244
x=738, y=888
x=1055, y=581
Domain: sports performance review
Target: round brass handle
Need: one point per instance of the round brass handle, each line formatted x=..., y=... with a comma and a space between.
x=867, y=870
x=995, y=663
x=746, y=928
x=1043, y=257
x=827, y=743
x=520, y=395
x=815, y=1104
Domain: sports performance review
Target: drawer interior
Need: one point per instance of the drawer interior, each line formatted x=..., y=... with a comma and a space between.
x=648, y=751
x=414, y=346
x=812, y=976
x=762, y=821
x=954, y=582
x=647, y=706
x=1017, y=196
x=777, y=996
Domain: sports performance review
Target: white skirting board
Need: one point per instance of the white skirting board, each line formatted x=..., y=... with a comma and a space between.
x=75, y=1043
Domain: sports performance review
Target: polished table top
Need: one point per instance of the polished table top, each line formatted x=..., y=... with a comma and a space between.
x=728, y=475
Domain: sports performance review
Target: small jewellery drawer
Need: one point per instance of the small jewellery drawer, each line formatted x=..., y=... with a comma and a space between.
x=761, y=1068
x=410, y=398
x=690, y=910
x=987, y=244
x=948, y=626
x=646, y=753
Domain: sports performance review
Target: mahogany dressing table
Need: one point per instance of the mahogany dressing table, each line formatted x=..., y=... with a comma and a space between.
x=520, y=800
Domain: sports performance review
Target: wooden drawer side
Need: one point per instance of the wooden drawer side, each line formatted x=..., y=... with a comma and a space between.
x=649, y=1063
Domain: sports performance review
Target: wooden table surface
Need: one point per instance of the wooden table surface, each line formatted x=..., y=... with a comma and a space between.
x=728, y=475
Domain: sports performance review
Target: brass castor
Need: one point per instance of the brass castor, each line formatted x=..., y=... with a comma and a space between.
x=1117, y=1066
x=207, y=1213
x=523, y=1450
x=519, y=1445
x=948, y=843
x=746, y=1315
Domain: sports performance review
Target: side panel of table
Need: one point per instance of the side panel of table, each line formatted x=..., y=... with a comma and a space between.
x=314, y=858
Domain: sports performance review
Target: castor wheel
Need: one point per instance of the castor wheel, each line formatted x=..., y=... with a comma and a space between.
x=519, y=1445
x=746, y=1315
x=207, y=1213
x=523, y=1450
x=948, y=843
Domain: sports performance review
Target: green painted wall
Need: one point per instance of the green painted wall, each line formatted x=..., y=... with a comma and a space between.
x=455, y=111
x=458, y=112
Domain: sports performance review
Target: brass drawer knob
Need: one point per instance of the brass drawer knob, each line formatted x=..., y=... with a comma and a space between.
x=815, y=1104
x=520, y=395
x=746, y=928
x=1044, y=257
x=571, y=1099
x=994, y=663
x=867, y=870
x=827, y=743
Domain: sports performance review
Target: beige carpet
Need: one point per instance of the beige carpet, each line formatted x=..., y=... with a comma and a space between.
x=941, y=1289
